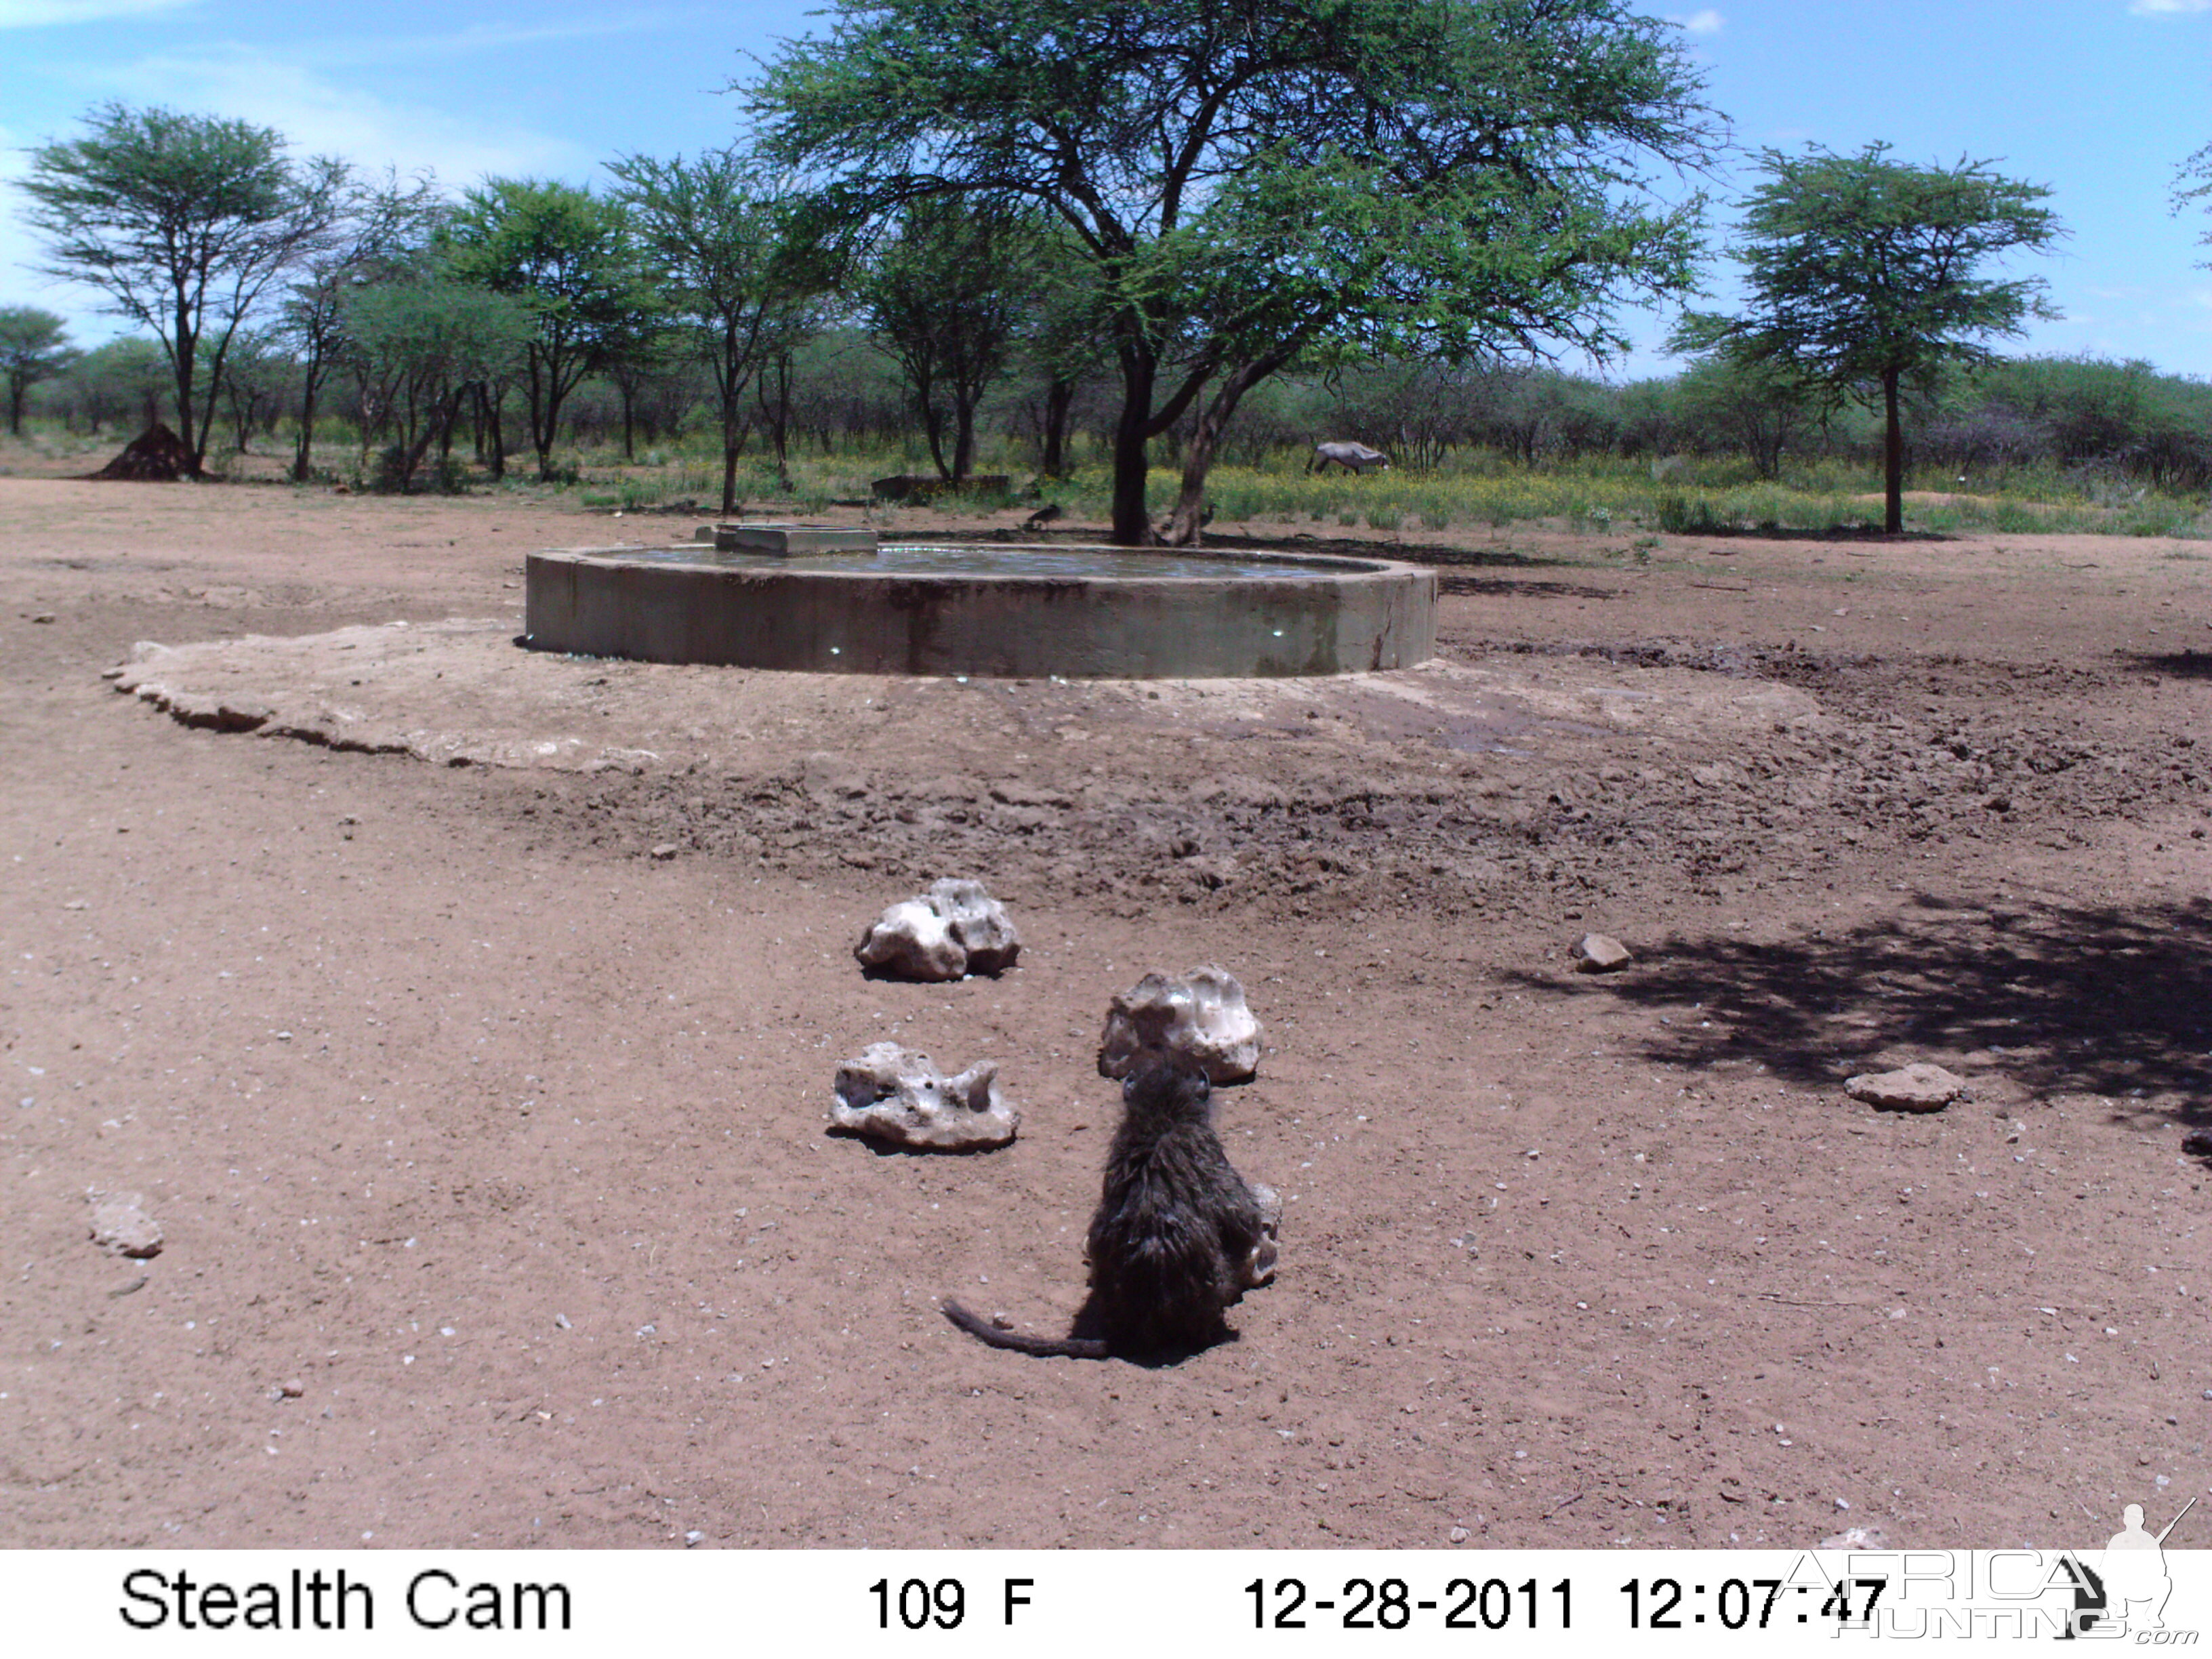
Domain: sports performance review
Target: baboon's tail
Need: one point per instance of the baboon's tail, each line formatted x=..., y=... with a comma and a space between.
x=1050, y=1347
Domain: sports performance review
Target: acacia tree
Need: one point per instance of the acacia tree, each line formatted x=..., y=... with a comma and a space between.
x=742, y=261
x=1866, y=276
x=1760, y=408
x=948, y=293
x=117, y=380
x=419, y=343
x=258, y=376
x=184, y=221
x=379, y=226
x=1251, y=179
x=569, y=258
x=1064, y=338
x=33, y=347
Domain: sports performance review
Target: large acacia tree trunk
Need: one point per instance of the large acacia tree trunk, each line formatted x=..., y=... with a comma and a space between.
x=1189, y=518
x=311, y=387
x=495, y=431
x=734, y=428
x=1059, y=397
x=550, y=383
x=963, y=436
x=1893, y=456
x=184, y=353
x=1132, y=527
x=933, y=423
x=776, y=410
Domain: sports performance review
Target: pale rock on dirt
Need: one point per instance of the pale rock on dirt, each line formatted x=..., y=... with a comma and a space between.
x=1600, y=953
x=955, y=929
x=913, y=940
x=891, y=1093
x=1199, y=1016
x=1919, y=1087
x=121, y=1226
x=1260, y=1265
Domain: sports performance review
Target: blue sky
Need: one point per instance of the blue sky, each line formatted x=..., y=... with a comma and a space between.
x=2098, y=99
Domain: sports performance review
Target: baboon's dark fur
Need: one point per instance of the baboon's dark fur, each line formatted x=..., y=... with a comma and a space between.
x=1170, y=1241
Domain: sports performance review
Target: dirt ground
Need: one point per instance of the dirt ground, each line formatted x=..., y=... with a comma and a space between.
x=466, y=1017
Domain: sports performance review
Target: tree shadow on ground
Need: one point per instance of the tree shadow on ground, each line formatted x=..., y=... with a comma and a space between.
x=1517, y=588
x=2078, y=997
x=2177, y=664
x=1833, y=533
x=1404, y=552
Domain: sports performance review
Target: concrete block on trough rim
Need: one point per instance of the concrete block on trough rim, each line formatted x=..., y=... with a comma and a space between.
x=782, y=540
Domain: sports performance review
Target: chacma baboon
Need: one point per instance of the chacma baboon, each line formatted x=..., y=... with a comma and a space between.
x=1177, y=1236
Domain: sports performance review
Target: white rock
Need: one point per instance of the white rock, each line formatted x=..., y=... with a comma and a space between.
x=121, y=1227
x=1918, y=1087
x=1600, y=953
x=892, y=1093
x=955, y=929
x=1200, y=1015
x=912, y=940
x=1258, y=1268
x=979, y=921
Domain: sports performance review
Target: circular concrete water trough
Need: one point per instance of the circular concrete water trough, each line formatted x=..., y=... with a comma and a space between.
x=1013, y=611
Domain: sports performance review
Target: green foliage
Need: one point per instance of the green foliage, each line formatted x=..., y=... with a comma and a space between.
x=182, y=221
x=1748, y=404
x=743, y=258
x=380, y=230
x=1865, y=273
x=126, y=379
x=1861, y=267
x=1249, y=183
x=946, y=292
x=1679, y=515
x=1719, y=497
x=399, y=469
x=2124, y=420
x=33, y=347
x=570, y=259
x=258, y=376
x=419, y=343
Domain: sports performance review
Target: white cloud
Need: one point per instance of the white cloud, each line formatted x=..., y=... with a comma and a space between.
x=2164, y=7
x=308, y=102
x=50, y=14
x=1708, y=22
x=322, y=117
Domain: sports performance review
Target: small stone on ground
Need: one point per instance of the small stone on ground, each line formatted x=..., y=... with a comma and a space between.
x=1919, y=1087
x=1599, y=953
x=121, y=1227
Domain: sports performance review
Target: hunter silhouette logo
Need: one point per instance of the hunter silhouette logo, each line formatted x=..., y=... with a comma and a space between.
x=2132, y=1577
x=2117, y=1593
x=2126, y=1592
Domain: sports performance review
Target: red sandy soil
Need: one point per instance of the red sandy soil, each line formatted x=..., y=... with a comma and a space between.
x=501, y=1138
